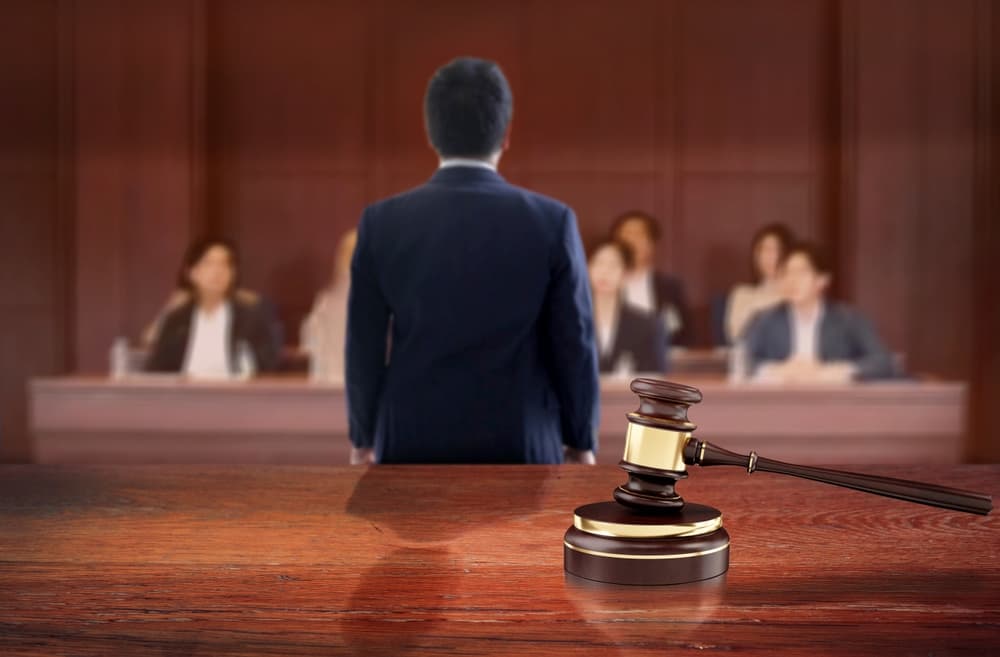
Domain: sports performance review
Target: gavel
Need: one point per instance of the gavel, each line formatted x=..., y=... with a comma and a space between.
x=650, y=535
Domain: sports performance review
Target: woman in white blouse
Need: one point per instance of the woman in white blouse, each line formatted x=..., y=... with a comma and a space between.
x=215, y=333
x=628, y=340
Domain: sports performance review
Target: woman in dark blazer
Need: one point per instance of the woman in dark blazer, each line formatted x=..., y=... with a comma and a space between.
x=649, y=290
x=628, y=339
x=204, y=336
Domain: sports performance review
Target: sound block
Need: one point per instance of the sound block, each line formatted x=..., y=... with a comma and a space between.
x=609, y=542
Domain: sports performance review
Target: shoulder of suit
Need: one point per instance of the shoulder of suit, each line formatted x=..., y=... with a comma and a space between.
x=390, y=202
x=770, y=316
x=178, y=312
x=844, y=313
x=546, y=204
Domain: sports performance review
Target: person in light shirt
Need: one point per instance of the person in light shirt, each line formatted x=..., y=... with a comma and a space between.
x=628, y=340
x=324, y=331
x=651, y=291
x=808, y=339
x=767, y=249
x=216, y=333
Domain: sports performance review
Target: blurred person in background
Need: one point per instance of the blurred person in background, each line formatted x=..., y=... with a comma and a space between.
x=768, y=248
x=181, y=295
x=628, y=340
x=649, y=290
x=324, y=330
x=213, y=331
x=808, y=339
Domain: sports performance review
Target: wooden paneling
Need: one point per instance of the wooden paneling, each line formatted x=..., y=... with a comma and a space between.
x=596, y=197
x=914, y=178
x=984, y=411
x=753, y=85
x=411, y=40
x=135, y=132
x=753, y=89
x=288, y=123
x=587, y=101
x=32, y=265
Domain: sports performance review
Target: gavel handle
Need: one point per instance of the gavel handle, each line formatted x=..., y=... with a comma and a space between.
x=698, y=452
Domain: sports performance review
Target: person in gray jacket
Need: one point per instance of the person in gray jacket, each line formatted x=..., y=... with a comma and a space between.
x=808, y=339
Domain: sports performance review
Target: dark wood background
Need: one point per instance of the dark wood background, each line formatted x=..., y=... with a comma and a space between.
x=127, y=128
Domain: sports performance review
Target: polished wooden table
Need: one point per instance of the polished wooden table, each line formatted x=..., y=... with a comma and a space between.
x=291, y=420
x=465, y=560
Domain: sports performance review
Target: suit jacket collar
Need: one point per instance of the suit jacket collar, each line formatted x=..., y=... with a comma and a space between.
x=462, y=175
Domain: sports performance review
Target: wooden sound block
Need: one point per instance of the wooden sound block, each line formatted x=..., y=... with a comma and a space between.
x=609, y=542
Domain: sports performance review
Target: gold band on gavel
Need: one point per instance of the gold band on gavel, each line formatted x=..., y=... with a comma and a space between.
x=660, y=449
x=632, y=530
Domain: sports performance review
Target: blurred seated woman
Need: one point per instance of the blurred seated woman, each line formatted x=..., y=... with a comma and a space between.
x=213, y=330
x=645, y=287
x=808, y=339
x=628, y=339
x=767, y=249
x=324, y=330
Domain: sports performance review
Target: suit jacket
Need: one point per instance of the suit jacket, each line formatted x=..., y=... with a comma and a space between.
x=844, y=335
x=249, y=324
x=492, y=353
x=643, y=337
x=669, y=292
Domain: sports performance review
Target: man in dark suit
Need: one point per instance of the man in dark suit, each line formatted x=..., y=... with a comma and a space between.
x=807, y=339
x=491, y=356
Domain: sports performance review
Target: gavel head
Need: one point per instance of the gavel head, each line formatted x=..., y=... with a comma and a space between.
x=658, y=434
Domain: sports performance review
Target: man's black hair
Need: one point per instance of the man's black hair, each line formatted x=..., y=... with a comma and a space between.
x=813, y=253
x=467, y=108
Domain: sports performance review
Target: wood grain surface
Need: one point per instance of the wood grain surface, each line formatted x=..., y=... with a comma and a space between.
x=463, y=560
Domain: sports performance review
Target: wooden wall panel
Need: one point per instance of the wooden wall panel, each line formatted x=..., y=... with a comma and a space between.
x=597, y=197
x=135, y=130
x=288, y=120
x=587, y=124
x=32, y=256
x=985, y=376
x=753, y=89
x=587, y=102
x=915, y=159
x=410, y=42
x=941, y=241
x=753, y=85
x=312, y=211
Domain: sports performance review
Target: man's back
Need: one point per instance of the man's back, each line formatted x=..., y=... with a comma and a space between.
x=492, y=351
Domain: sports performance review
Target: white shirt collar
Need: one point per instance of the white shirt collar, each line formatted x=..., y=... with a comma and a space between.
x=465, y=162
x=805, y=333
x=207, y=355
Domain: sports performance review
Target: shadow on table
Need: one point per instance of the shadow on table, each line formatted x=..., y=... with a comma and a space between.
x=404, y=601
